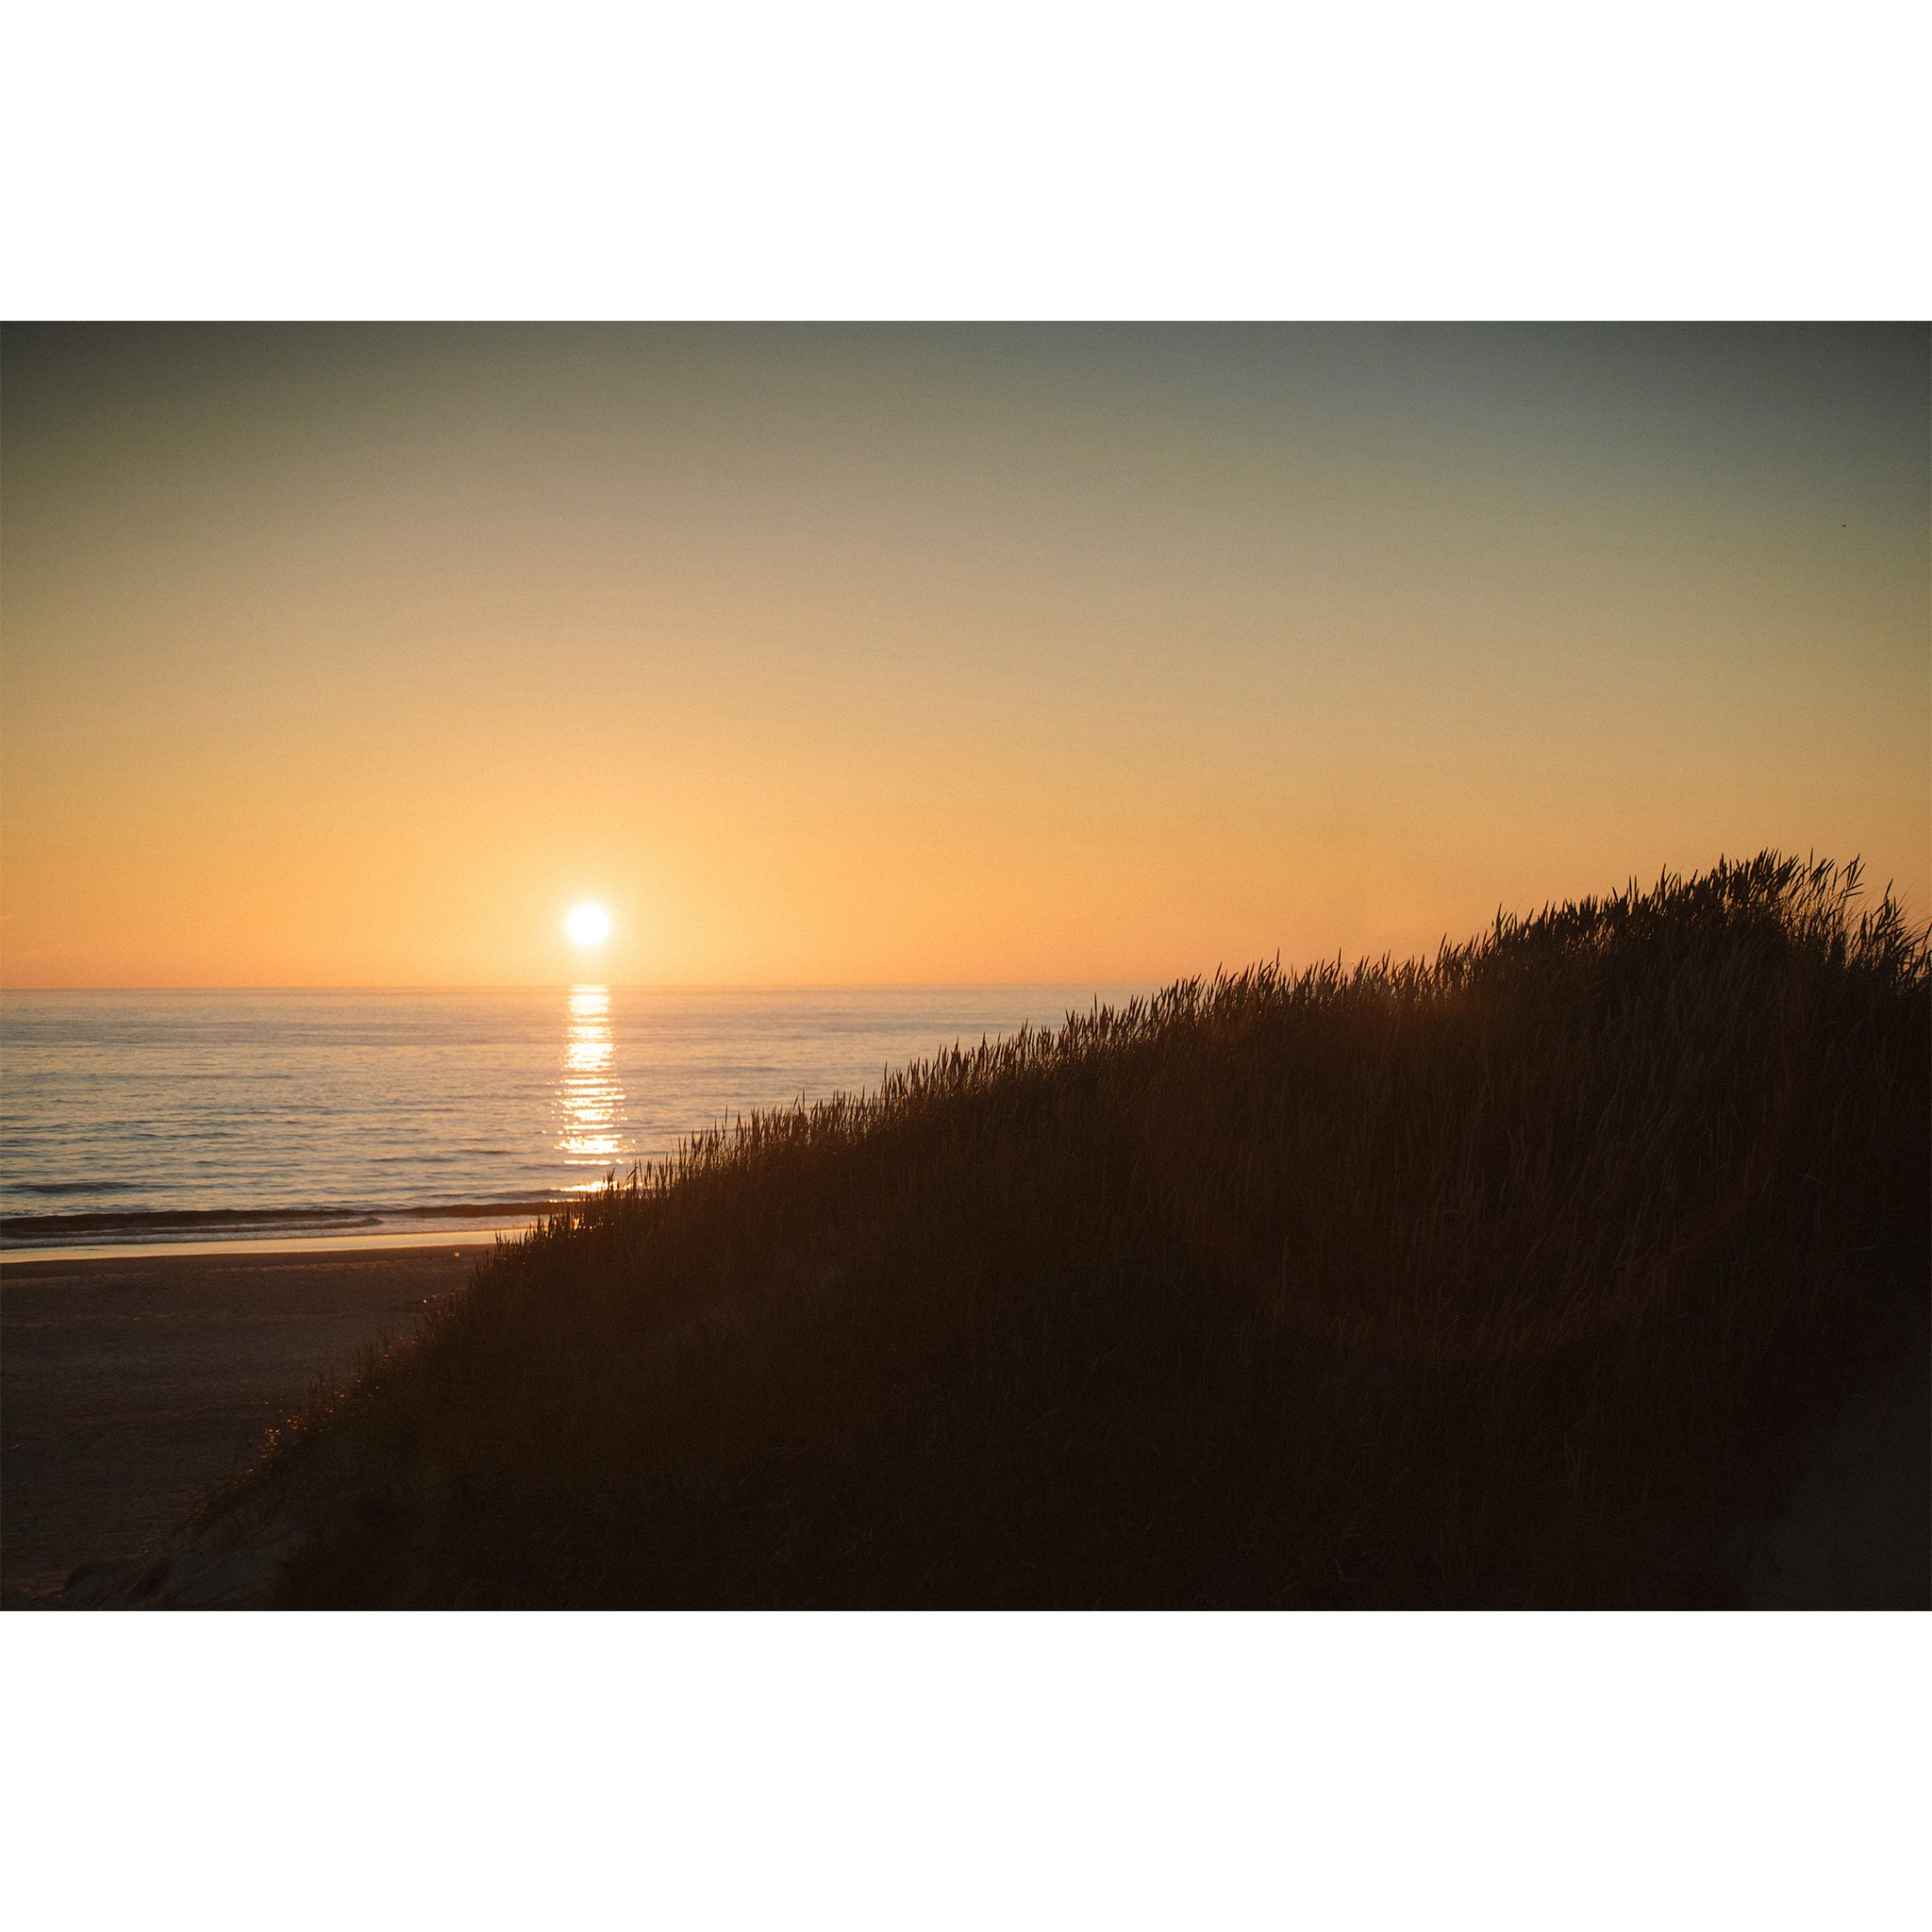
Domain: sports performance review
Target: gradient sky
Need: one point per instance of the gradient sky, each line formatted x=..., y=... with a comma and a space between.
x=841, y=655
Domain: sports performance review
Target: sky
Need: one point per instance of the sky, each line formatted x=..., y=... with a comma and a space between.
x=836, y=655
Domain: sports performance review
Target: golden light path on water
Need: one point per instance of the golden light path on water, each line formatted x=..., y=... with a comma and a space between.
x=592, y=1101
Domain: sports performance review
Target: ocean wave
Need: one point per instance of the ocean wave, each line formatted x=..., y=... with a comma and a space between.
x=77, y=1187
x=135, y=1224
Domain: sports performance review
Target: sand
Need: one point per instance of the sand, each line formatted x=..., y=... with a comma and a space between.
x=128, y=1387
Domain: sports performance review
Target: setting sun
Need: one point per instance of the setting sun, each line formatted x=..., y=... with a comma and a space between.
x=589, y=925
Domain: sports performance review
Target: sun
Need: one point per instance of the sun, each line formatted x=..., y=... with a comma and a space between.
x=587, y=925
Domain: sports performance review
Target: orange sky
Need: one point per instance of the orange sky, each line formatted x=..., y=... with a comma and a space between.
x=878, y=654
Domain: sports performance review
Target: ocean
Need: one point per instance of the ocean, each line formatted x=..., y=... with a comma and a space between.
x=173, y=1118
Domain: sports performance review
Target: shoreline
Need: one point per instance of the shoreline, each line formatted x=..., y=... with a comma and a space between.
x=373, y=1241
x=130, y=1385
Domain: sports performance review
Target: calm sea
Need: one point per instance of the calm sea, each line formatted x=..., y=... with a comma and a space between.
x=158, y=1117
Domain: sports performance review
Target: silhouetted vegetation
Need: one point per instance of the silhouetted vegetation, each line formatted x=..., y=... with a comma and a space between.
x=1508, y=1278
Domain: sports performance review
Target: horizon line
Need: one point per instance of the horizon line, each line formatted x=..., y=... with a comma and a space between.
x=605, y=985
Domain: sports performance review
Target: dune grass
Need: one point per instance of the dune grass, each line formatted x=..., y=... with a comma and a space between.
x=1511, y=1277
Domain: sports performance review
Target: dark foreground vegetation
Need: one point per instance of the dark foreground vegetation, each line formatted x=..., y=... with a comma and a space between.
x=1519, y=1278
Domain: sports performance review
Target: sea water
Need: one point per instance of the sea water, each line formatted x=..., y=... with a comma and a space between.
x=170, y=1117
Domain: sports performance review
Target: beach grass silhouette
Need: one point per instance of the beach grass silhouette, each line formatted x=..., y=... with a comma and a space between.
x=1516, y=1277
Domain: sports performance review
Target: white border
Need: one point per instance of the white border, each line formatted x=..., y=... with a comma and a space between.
x=1659, y=159
x=955, y=1770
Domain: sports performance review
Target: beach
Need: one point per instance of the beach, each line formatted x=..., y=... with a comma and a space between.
x=127, y=1387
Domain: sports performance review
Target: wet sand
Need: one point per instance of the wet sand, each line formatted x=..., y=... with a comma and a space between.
x=127, y=1387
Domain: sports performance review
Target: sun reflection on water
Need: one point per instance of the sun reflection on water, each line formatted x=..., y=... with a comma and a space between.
x=592, y=1101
